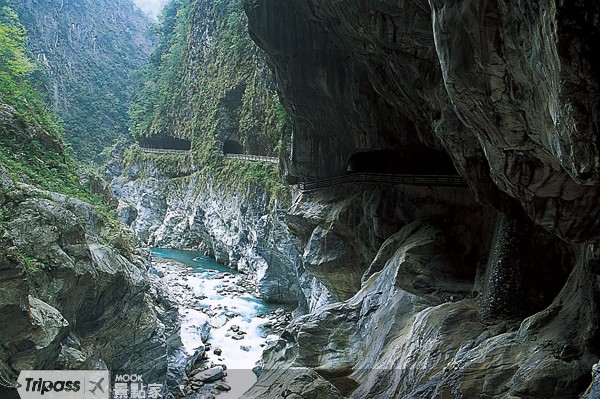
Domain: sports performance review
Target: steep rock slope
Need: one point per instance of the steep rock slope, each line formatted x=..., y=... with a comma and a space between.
x=509, y=91
x=73, y=292
x=88, y=53
x=208, y=83
x=73, y=302
x=240, y=224
x=342, y=237
x=392, y=341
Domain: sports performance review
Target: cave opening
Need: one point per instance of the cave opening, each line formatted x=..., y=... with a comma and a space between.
x=409, y=160
x=165, y=143
x=232, y=147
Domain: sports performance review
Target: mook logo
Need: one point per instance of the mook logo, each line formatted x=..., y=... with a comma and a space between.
x=64, y=384
x=129, y=378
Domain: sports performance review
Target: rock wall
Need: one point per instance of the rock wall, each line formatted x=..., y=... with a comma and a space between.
x=239, y=225
x=70, y=300
x=341, y=237
x=510, y=91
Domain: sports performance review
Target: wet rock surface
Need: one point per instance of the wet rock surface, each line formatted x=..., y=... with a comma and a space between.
x=210, y=369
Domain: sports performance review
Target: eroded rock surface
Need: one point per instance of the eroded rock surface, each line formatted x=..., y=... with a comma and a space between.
x=68, y=300
x=238, y=226
x=395, y=339
x=342, y=238
x=510, y=91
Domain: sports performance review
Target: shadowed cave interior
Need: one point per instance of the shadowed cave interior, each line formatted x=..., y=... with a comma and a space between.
x=409, y=160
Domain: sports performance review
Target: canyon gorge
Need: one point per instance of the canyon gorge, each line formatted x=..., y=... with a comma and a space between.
x=481, y=283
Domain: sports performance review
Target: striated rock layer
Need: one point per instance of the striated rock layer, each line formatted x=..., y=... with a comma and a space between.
x=439, y=297
x=342, y=238
x=240, y=226
x=69, y=300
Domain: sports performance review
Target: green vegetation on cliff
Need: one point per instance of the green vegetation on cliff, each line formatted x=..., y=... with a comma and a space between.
x=153, y=110
x=207, y=82
x=12, y=39
x=32, y=149
x=27, y=129
x=88, y=53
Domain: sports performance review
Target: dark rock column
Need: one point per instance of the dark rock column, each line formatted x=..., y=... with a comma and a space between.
x=504, y=293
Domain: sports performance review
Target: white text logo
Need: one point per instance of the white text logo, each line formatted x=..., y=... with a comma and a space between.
x=64, y=384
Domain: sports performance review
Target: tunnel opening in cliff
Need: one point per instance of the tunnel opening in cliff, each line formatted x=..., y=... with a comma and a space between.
x=408, y=160
x=165, y=143
x=232, y=147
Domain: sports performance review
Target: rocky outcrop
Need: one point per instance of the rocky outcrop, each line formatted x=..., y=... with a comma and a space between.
x=341, y=238
x=509, y=90
x=298, y=382
x=397, y=338
x=526, y=89
x=240, y=226
x=69, y=299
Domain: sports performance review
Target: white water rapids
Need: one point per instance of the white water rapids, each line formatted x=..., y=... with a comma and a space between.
x=208, y=294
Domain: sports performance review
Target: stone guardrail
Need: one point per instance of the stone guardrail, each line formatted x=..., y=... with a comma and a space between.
x=165, y=151
x=256, y=158
x=414, y=180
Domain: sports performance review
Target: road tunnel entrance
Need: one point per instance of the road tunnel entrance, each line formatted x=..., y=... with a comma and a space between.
x=410, y=160
x=232, y=147
x=165, y=143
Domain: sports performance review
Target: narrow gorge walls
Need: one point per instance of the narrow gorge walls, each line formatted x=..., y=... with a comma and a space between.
x=208, y=84
x=239, y=224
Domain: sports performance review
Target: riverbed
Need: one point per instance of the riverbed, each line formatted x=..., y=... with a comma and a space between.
x=217, y=307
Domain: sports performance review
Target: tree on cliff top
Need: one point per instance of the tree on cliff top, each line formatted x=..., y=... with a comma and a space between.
x=13, y=60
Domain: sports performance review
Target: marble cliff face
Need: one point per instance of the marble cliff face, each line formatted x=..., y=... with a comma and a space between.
x=509, y=91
